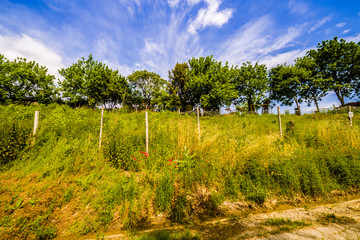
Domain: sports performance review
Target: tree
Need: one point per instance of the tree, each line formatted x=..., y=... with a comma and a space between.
x=312, y=88
x=92, y=82
x=25, y=82
x=338, y=62
x=210, y=84
x=177, y=86
x=285, y=85
x=147, y=86
x=252, y=84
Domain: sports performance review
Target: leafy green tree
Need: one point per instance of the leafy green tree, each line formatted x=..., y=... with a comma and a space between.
x=92, y=82
x=210, y=84
x=252, y=84
x=312, y=88
x=177, y=86
x=146, y=86
x=338, y=62
x=24, y=82
x=285, y=84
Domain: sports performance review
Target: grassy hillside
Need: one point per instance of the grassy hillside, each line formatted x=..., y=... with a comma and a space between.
x=61, y=184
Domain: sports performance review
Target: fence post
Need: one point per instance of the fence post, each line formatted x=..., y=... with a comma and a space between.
x=351, y=115
x=36, y=122
x=198, y=122
x=279, y=121
x=147, y=130
x=101, y=126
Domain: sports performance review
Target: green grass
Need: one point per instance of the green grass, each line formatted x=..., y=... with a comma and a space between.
x=286, y=224
x=62, y=177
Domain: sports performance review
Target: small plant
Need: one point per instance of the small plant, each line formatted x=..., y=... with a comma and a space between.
x=45, y=233
x=326, y=218
x=286, y=224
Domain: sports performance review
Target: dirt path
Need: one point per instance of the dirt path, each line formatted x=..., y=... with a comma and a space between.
x=331, y=221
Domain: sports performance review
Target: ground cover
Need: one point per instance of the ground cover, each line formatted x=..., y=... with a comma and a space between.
x=60, y=184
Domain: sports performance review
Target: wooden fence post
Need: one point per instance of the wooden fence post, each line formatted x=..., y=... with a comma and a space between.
x=279, y=121
x=147, y=131
x=36, y=122
x=198, y=122
x=351, y=115
x=101, y=126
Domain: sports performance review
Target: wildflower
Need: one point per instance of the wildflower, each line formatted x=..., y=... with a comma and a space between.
x=309, y=147
x=169, y=164
x=170, y=160
x=140, y=151
x=203, y=165
x=170, y=170
x=135, y=159
x=138, y=160
x=331, y=147
x=143, y=173
x=176, y=166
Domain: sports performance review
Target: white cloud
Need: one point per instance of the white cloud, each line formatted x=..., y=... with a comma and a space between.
x=257, y=41
x=210, y=16
x=287, y=57
x=31, y=49
x=173, y=3
x=340, y=25
x=298, y=7
x=171, y=44
x=320, y=23
x=355, y=38
x=346, y=31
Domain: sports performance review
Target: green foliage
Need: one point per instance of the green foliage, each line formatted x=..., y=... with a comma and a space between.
x=285, y=84
x=252, y=84
x=164, y=193
x=238, y=157
x=286, y=224
x=338, y=61
x=312, y=83
x=93, y=83
x=210, y=83
x=166, y=235
x=178, y=79
x=25, y=82
x=44, y=233
x=148, y=88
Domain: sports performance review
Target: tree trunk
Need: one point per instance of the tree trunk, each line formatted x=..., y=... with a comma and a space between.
x=341, y=98
x=297, y=104
x=251, y=105
x=317, y=105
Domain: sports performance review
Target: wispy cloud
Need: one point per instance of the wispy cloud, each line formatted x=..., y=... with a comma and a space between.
x=355, y=38
x=346, y=31
x=31, y=49
x=210, y=16
x=319, y=23
x=258, y=41
x=298, y=7
x=287, y=57
x=340, y=25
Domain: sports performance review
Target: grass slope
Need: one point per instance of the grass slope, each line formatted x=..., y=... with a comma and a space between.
x=61, y=184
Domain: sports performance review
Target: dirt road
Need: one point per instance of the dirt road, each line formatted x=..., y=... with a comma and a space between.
x=332, y=221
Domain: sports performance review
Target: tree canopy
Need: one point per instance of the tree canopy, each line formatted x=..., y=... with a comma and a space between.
x=24, y=82
x=147, y=86
x=93, y=83
x=251, y=82
x=339, y=64
x=210, y=84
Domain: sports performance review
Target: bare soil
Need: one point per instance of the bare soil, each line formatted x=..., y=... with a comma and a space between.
x=331, y=221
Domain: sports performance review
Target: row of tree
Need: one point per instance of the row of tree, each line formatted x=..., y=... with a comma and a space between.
x=333, y=67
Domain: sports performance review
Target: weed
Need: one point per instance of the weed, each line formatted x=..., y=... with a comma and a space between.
x=332, y=218
x=285, y=224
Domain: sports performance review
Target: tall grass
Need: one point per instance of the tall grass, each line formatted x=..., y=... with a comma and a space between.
x=67, y=183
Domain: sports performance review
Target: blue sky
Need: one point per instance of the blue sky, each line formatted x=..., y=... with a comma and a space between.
x=130, y=35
